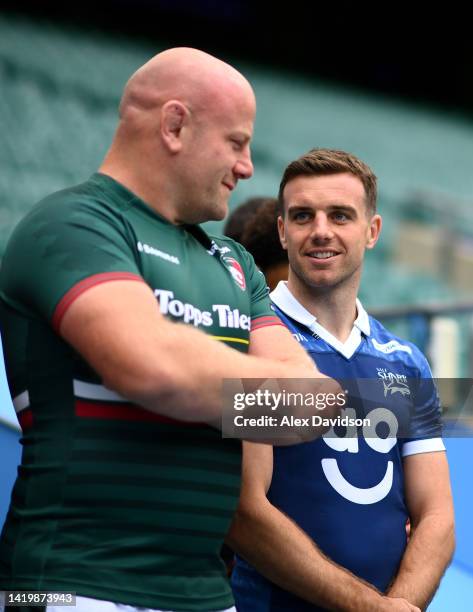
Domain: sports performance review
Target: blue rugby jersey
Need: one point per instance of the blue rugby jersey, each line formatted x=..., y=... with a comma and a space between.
x=347, y=492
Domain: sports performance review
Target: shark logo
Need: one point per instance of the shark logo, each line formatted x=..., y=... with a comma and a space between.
x=393, y=383
x=392, y=388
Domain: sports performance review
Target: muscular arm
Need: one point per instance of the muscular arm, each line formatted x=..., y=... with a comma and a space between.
x=432, y=540
x=168, y=367
x=286, y=555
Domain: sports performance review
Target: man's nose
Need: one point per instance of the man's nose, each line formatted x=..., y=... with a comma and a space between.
x=321, y=228
x=244, y=166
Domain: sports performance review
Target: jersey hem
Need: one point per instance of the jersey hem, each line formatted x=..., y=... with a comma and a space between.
x=138, y=600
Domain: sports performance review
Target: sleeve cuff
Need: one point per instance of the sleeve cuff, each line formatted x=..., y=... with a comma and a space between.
x=415, y=447
x=82, y=286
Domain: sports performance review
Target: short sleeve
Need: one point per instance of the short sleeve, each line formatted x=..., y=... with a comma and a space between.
x=61, y=248
x=425, y=431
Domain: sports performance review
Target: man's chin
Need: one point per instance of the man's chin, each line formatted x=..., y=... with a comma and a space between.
x=220, y=212
x=319, y=281
x=215, y=212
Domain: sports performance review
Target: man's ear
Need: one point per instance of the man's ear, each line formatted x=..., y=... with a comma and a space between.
x=174, y=115
x=374, y=230
x=282, y=233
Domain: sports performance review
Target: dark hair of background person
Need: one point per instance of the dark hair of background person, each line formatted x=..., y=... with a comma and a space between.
x=238, y=219
x=254, y=225
x=322, y=162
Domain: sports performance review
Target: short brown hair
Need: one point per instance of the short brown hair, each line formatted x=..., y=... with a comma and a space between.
x=320, y=162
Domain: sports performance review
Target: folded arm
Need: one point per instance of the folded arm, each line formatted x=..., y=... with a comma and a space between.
x=432, y=540
x=283, y=553
x=166, y=367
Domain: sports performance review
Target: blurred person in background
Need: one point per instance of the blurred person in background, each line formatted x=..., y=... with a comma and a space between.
x=120, y=317
x=240, y=216
x=252, y=224
x=344, y=499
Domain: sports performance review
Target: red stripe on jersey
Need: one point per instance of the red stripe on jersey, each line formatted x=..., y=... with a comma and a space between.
x=124, y=412
x=25, y=418
x=265, y=322
x=82, y=286
x=267, y=325
x=266, y=319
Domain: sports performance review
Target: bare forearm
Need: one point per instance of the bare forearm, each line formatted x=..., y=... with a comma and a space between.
x=169, y=368
x=184, y=380
x=283, y=553
x=427, y=555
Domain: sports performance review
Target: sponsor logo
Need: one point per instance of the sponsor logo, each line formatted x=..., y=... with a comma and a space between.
x=220, y=314
x=214, y=248
x=393, y=383
x=149, y=250
x=391, y=346
x=349, y=443
x=236, y=271
x=392, y=388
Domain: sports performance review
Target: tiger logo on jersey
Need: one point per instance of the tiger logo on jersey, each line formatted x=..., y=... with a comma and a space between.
x=236, y=271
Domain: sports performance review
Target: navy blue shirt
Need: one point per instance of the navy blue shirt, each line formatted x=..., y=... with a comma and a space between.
x=346, y=489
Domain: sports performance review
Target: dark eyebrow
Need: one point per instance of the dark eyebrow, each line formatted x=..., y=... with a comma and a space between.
x=344, y=208
x=298, y=208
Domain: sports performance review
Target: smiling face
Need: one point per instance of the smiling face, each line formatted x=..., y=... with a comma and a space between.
x=326, y=229
x=217, y=157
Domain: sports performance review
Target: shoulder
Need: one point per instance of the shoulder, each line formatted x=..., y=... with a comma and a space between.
x=68, y=205
x=383, y=341
x=282, y=315
x=67, y=233
x=303, y=335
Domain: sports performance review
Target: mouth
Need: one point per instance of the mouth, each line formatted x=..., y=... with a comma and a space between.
x=322, y=255
x=229, y=186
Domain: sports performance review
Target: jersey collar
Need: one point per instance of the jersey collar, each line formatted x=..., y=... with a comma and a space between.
x=283, y=298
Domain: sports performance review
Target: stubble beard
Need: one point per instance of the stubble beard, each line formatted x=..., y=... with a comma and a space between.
x=316, y=284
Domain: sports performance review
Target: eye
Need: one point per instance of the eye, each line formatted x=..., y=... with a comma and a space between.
x=340, y=217
x=237, y=144
x=301, y=216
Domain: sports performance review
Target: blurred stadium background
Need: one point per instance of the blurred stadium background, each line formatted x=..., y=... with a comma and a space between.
x=399, y=101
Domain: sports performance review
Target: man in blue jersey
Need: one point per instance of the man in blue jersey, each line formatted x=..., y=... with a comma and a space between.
x=343, y=501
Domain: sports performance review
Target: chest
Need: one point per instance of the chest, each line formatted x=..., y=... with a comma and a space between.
x=193, y=285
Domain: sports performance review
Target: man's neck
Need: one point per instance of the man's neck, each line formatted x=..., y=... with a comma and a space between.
x=335, y=307
x=145, y=185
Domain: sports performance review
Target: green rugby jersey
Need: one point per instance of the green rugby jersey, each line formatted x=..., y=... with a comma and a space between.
x=112, y=501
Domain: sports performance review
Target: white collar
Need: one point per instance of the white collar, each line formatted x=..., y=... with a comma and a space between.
x=284, y=300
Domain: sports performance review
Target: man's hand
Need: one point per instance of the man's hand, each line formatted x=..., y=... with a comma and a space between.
x=397, y=604
x=281, y=411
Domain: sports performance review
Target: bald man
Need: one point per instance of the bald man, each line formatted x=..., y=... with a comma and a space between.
x=120, y=318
